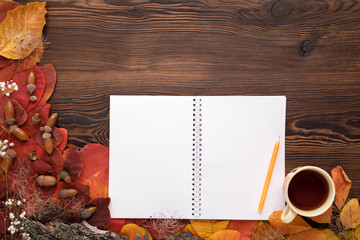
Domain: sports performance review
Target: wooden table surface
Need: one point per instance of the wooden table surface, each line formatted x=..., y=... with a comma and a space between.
x=307, y=50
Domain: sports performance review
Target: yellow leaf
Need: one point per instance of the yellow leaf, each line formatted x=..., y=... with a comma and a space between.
x=190, y=228
x=357, y=232
x=226, y=234
x=350, y=214
x=330, y=235
x=313, y=234
x=130, y=230
x=342, y=186
x=206, y=228
x=21, y=30
x=297, y=225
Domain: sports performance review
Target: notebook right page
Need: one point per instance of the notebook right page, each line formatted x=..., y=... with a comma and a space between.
x=238, y=137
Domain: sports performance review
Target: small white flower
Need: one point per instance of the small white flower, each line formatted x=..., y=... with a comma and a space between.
x=6, y=141
x=19, y=203
x=21, y=228
x=11, y=215
x=11, y=144
x=17, y=222
x=8, y=94
x=12, y=229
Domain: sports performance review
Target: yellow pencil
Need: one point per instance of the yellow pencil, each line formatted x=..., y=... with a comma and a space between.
x=268, y=177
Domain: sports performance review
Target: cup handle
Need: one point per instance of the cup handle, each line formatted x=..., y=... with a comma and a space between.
x=288, y=214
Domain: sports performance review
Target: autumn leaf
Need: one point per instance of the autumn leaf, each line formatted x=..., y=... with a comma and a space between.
x=21, y=30
x=325, y=217
x=20, y=114
x=297, y=225
x=313, y=234
x=330, y=235
x=246, y=227
x=116, y=224
x=163, y=228
x=40, y=167
x=95, y=172
x=350, y=214
x=130, y=230
x=73, y=162
x=206, y=228
x=190, y=228
x=5, y=7
x=7, y=72
x=265, y=231
x=50, y=76
x=357, y=232
x=101, y=217
x=30, y=60
x=64, y=135
x=226, y=234
x=43, y=109
x=342, y=186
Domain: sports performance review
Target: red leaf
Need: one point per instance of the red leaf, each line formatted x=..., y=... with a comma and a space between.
x=116, y=225
x=40, y=167
x=43, y=108
x=50, y=76
x=20, y=114
x=246, y=227
x=31, y=59
x=7, y=72
x=23, y=95
x=54, y=160
x=83, y=189
x=137, y=221
x=73, y=162
x=95, y=172
x=101, y=217
x=64, y=141
x=6, y=6
x=57, y=136
x=4, y=62
x=164, y=228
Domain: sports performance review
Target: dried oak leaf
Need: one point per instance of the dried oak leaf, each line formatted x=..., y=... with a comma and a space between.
x=313, y=234
x=130, y=230
x=297, y=225
x=40, y=167
x=190, y=228
x=101, y=217
x=19, y=113
x=226, y=234
x=73, y=162
x=265, y=231
x=350, y=214
x=21, y=30
x=325, y=217
x=342, y=186
x=5, y=7
x=116, y=224
x=30, y=60
x=246, y=227
x=206, y=228
x=50, y=76
x=95, y=172
x=22, y=95
x=43, y=109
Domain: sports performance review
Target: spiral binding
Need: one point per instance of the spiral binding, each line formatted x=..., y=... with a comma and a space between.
x=196, y=158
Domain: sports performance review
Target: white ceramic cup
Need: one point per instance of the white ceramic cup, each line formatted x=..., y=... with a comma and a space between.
x=291, y=211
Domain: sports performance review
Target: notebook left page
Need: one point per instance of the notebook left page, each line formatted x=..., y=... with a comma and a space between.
x=150, y=156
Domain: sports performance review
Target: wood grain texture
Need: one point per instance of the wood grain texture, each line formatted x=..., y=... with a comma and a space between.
x=308, y=50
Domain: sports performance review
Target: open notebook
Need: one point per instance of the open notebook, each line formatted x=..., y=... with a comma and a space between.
x=195, y=157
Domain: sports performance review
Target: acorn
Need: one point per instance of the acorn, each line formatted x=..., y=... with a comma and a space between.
x=19, y=133
x=33, y=98
x=52, y=120
x=33, y=156
x=49, y=145
x=6, y=163
x=36, y=119
x=46, y=181
x=68, y=193
x=64, y=175
x=31, y=87
x=88, y=212
x=9, y=113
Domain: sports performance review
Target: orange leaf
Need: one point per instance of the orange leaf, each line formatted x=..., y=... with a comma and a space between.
x=130, y=230
x=206, y=228
x=190, y=228
x=246, y=227
x=323, y=218
x=265, y=231
x=50, y=76
x=313, y=234
x=342, y=186
x=297, y=225
x=95, y=171
x=330, y=235
x=226, y=234
x=350, y=214
x=21, y=30
x=6, y=6
x=30, y=60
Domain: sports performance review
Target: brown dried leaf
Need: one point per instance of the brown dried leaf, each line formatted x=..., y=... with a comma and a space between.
x=297, y=225
x=330, y=235
x=265, y=231
x=21, y=30
x=5, y=7
x=325, y=217
x=350, y=214
x=30, y=60
x=313, y=234
x=342, y=186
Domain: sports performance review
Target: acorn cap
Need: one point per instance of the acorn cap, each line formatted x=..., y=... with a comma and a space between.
x=11, y=153
x=12, y=128
x=64, y=175
x=47, y=129
x=10, y=121
x=46, y=135
x=31, y=88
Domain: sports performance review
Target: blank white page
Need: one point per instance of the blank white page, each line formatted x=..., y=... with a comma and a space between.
x=150, y=156
x=239, y=135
